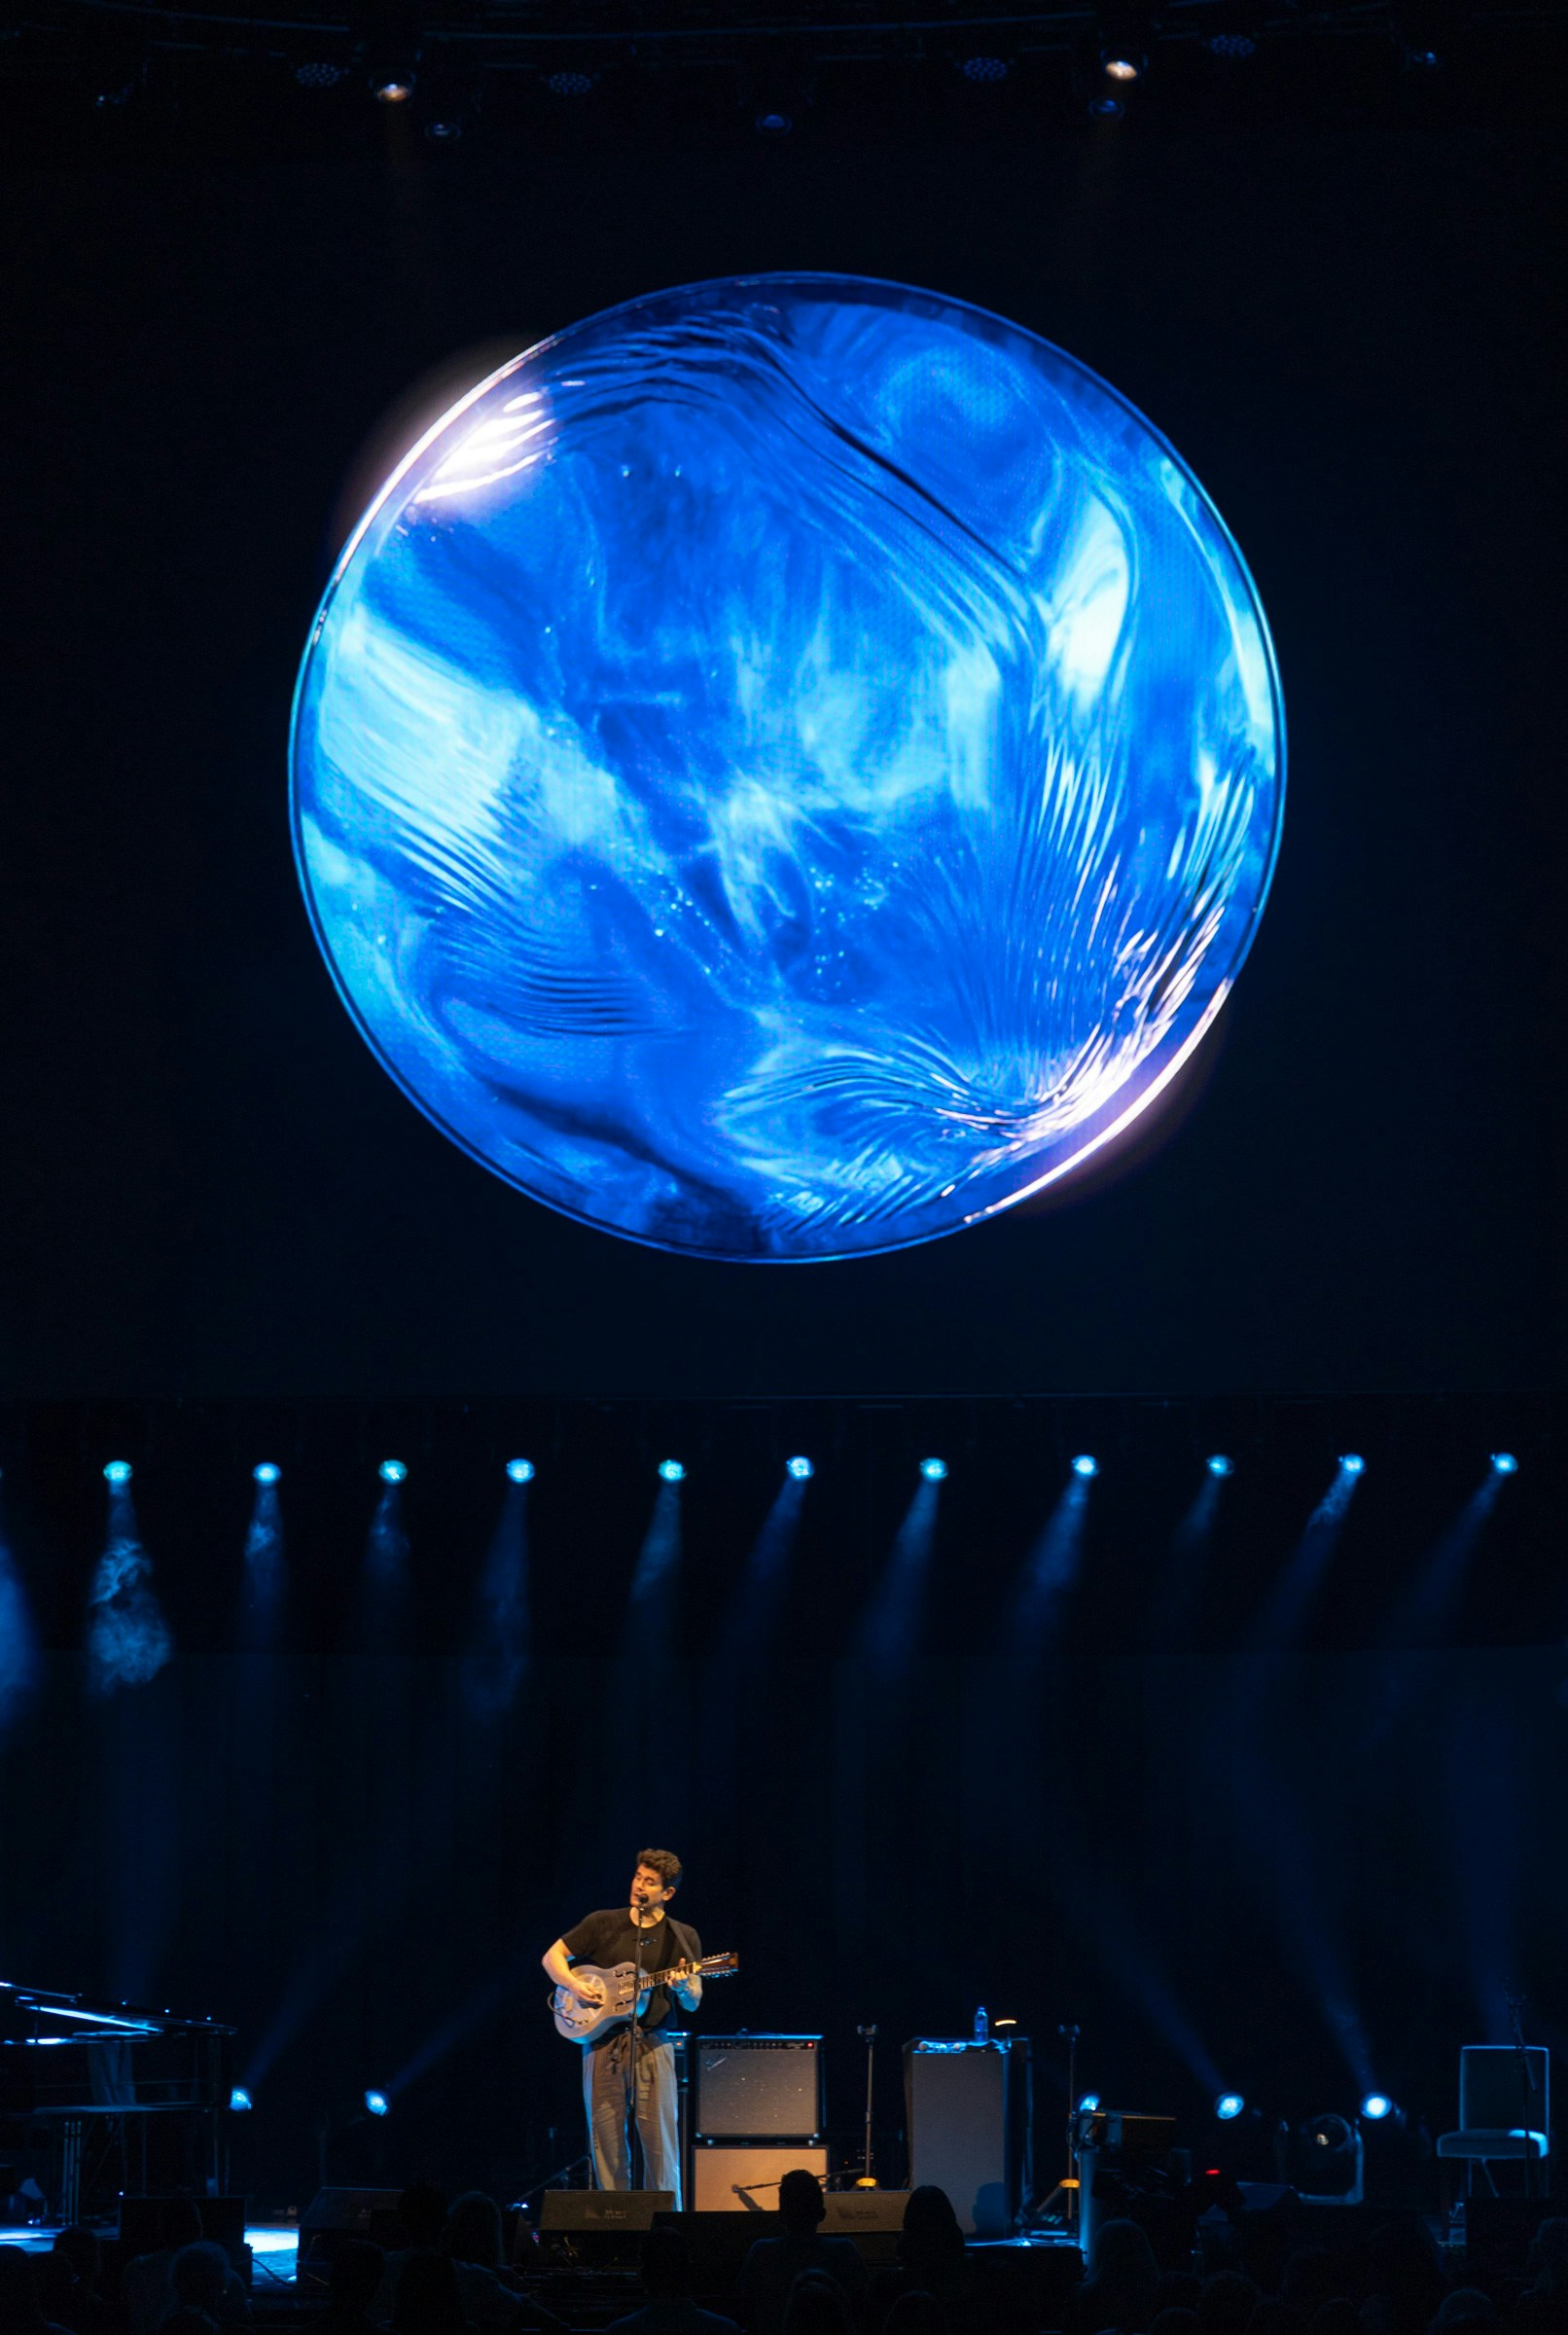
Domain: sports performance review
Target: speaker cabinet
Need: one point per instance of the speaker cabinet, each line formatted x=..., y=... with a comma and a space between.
x=967, y=2105
x=757, y=2087
x=745, y=2180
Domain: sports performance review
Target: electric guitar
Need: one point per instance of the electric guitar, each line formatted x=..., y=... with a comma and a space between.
x=585, y=2021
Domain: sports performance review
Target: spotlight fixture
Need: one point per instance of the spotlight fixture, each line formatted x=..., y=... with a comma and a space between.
x=1106, y=108
x=117, y=1471
x=1351, y=1463
x=569, y=85
x=672, y=1471
x=1377, y=2105
x=396, y=89
x=799, y=1469
x=1089, y=2103
x=240, y=2102
x=1117, y=67
x=521, y=1471
x=376, y=2104
x=1229, y=2106
x=392, y=1471
x=774, y=122
x=1220, y=1465
x=316, y=74
x=1503, y=1463
x=1086, y=1465
x=266, y=1471
x=934, y=1470
x=980, y=71
x=443, y=131
x=1233, y=46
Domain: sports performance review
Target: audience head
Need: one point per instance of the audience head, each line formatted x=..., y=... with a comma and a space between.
x=915, y=2314
x=473, y=2230
x=1548, y=2256
x=178, y=2223
x=20, y=2311
x=422, y=2212
x=800, y=2201
x=427, y=2301
x=199, y=2277
x=1124, y=2258
x=666, y=2265
x=817, y=2306
x=357, y=2270
x=932, y=2241
x=1226, y=2304
x=1465, y=2307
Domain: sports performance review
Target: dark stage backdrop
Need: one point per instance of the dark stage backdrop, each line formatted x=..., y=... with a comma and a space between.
x=1292, y=1830
x=207, y=1185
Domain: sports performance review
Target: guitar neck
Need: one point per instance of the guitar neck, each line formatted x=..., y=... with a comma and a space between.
x=662, y=1977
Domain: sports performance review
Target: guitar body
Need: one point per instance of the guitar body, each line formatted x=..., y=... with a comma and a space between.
x=585, y=2023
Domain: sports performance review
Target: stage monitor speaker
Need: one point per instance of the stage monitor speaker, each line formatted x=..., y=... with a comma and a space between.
x=351, y=2210
x=852, y=2212
x=757, y=2087
x=967, y=2110
x=745, y=2180
x=619, y=2210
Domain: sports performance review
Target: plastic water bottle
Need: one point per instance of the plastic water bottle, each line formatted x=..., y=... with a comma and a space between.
x=983, y=2026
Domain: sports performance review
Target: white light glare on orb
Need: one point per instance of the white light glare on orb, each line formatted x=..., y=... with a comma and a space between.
x=672, y=1471
x=117, y=1471
x=1229, y=2106
x=266, y=1471
x=521, y=1471
x=392, y=1471
x=787, y=768
x=1086, y=1465
x=934, y=1470
x=799, y=1469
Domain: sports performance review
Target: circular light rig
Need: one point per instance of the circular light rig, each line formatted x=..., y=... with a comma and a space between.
x=240, y=2102
x=266, y=1471
x=116, y=1472
x=934, y=1470
x=1086, y=1465
x=376, y=2104
x=799, y=1469
x=1351, y=1463
x=1229, y=2106
x=392, y=1471
x=672, y=1471
x=520, y=1471
x=1503, y=1463
x=1220, y=1465
x=1377, y=2105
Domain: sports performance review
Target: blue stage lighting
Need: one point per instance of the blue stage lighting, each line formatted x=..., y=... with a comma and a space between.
x=1089, y=2103
x=1086, y=1465
x=376, y=2104
x=977, y=1037
x=1503, y=1463
x=1377, y=2105
x=521, y=1471
x=117, y=1471
x=392, y=1471
x=1351, y=1463
x=1229, y=2106
x=266, y=1471
x=672, y=1471
x=934, y=1470
x=799, y=1469
x=240, y=2100
x=1220, y=1465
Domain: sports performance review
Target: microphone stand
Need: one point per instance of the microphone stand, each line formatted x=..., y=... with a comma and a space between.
x=635, y=2156
x=1074, y=2200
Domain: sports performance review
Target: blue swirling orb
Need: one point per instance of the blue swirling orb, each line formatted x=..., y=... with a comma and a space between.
x=788, y=767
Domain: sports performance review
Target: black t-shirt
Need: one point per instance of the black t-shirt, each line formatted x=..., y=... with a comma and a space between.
x=610, y=1936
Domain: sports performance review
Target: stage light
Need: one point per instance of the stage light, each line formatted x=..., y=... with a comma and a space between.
x=983, y=69
x=1351, y=1463
x=672, y=1471
x=1220, y=1465
x=799, y=1469
x=1089, y=2103
x=1229, y=2106
x=266, y=1471
x=1086, y=1465
x=934, y=1470
x=521, y=1471
x=1122, y=68
x=117, y=1471
x=316, y=74
x=1377, y=2105
x=1107, y=109
x=396, y=89
x=240, y=2101
x=392, y=1471
x=376, y=2104
x=1233, y=46
x=774, y=122
x=1503, y=1463
x=569, y=85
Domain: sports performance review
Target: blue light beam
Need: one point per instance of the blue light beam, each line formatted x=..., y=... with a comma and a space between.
x=1298, y=1583
x=497, y=1663
x=128, y=1641
x=18, y=1638
x=891, y=1626
x=1051, y=1571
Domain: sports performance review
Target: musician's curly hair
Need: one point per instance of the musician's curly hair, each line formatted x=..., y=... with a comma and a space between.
x=664, y=1862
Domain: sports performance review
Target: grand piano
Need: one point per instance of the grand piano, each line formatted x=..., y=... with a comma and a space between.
x=93, y=2072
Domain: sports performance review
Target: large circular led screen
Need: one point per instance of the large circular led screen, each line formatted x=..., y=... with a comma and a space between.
x=787, y=768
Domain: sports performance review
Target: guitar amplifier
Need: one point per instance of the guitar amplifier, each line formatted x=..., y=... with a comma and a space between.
x=968, y=2112
x=601, y=2228
x=757, y=2087
x=729, y=2180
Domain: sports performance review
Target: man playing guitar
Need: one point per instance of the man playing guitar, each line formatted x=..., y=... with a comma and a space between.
x=640, y=1932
